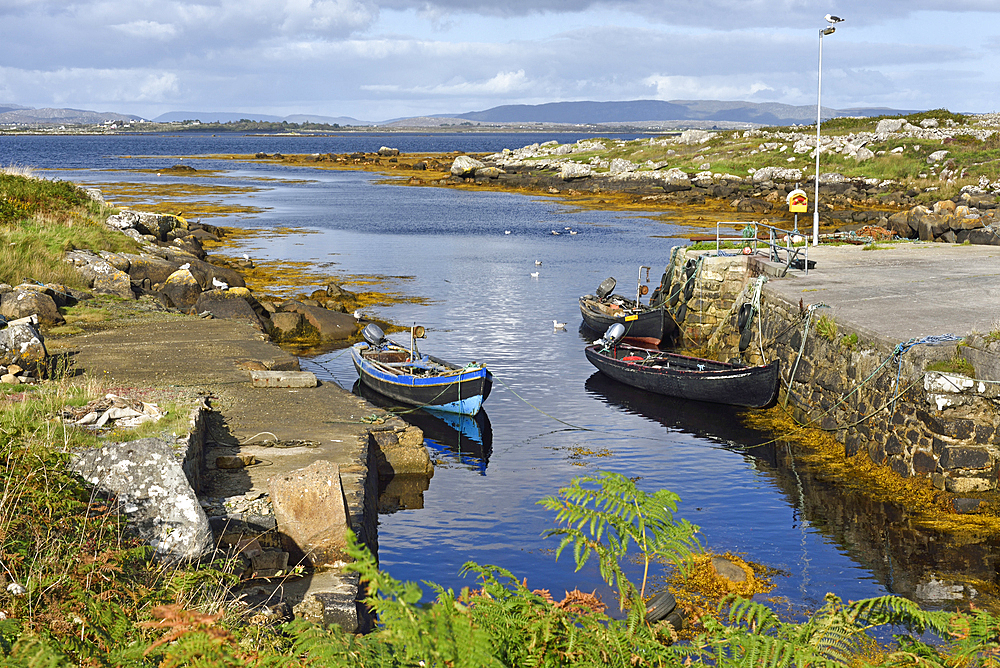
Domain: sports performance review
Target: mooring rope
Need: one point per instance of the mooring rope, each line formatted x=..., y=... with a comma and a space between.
x=903, y=348
x=805, y=334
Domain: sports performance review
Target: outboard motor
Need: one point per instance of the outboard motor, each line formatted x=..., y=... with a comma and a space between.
x=606, y=287
x=614, y=334
x=373, y=335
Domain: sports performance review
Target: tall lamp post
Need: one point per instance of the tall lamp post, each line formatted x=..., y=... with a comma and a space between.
x=829, y=30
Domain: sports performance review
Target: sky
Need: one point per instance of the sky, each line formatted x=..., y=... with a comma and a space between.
x=376, y=60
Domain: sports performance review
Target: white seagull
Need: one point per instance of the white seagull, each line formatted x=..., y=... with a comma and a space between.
x=573, y=232
x=534, y=274
x=506, y=231
x=833, y=19
x=357, y=314
x=558, y=325
x=555, y=233
x=567, y=228
x=538, y=263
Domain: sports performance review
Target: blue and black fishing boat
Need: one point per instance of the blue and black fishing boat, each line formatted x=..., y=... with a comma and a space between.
x=419, y=380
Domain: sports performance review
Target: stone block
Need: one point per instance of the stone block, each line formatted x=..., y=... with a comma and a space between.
x=965, y=457
x=312, y=515
x=283, y=379
x=923, y=463
x=893, y=446
x=968, y=485
x=333, y=601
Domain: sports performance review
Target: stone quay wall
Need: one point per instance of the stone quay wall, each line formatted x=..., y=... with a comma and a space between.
x=874, y=396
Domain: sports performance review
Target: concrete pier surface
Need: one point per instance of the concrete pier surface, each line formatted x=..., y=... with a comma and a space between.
x=902, y=290
x=255, y=435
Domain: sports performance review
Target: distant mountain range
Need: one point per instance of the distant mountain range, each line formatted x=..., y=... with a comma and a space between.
x=675, y=112
x=227, y=117
x=766, y=113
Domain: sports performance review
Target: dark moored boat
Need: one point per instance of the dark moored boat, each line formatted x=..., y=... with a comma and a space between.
x=648, y=323
x=419, y=380
x=685, y=377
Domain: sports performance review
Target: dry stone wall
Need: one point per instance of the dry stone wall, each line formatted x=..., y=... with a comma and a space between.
x=874, y=394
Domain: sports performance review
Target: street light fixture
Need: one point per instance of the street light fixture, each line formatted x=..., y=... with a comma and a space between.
x=829, y=30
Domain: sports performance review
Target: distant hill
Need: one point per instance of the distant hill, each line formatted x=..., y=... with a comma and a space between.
x=766, y=113
x=13, y=114
x=232, y=117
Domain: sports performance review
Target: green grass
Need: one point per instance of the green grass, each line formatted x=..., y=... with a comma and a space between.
x=956, y=364
x=51, y=217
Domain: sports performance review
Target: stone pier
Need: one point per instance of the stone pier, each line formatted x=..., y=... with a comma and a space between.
x=856, y=337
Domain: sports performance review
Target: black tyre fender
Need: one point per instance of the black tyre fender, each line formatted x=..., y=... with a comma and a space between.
x=681, y=314
x=745, y=338
x=688, y=290
x=660, y=606
x=745, y=316
x=675, y=619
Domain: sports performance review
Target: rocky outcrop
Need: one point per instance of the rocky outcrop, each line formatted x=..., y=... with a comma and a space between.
x=148, y=480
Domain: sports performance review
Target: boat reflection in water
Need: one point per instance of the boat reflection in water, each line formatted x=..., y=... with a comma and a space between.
x=935, y=569
x=465, y=439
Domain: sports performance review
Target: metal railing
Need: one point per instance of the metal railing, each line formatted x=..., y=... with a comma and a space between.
x=792, y=245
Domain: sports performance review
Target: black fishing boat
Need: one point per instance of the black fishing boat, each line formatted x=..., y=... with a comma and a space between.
x=650, y=323
x=419, y=380
x=685, y=377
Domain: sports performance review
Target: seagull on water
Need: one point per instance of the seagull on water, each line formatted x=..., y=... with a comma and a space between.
x=833, y=19
x=534, y=274
x=506, y=231
x=558, y=325
x=567, y=228
x=538, y=263
x=555, y=233
x=573, y=232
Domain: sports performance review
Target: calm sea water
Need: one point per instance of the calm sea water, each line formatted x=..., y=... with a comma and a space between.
x=551, y=417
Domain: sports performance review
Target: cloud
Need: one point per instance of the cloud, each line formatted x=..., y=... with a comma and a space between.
x=704, y=88
x=147, y=30
x=720, y=14
x=504, y=83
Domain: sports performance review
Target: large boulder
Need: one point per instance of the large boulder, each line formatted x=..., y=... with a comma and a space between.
x=24, y=301
x=574, y=170
x=464, y=166
x=100, y=274
x=229, y=304
x=330, y=325
x=889, y=125
x=182, y=289
x=147, y=478
x=22, y=344
x=148, y=268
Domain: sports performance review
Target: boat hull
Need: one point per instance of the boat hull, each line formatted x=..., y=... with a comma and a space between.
x=689, y=377
x=463, y=391
x=653, y=325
